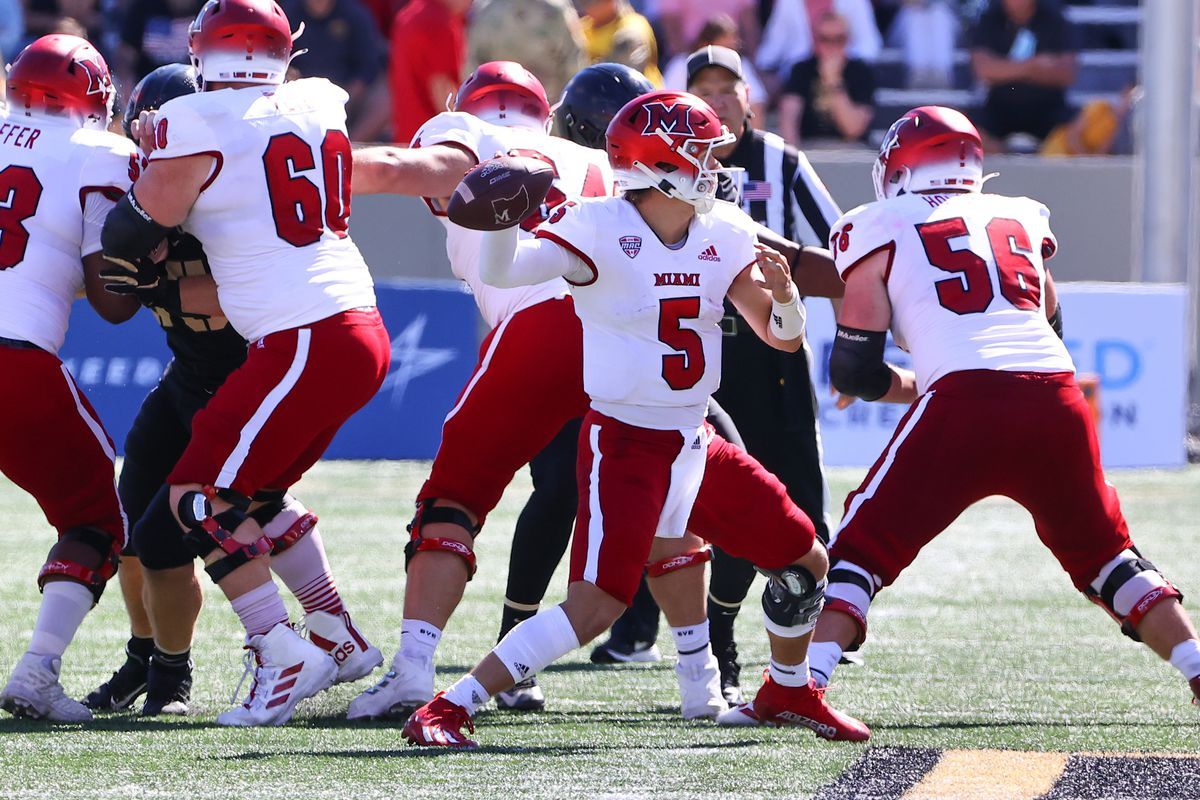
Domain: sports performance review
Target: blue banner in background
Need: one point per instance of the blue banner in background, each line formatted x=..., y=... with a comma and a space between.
x=434, y=346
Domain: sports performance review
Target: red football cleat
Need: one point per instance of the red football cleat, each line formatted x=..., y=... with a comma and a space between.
x=796, y=705
x=439, y=723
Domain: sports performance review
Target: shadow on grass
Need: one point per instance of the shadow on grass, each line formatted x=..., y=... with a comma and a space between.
x=964, y=725
x=433, y=752
x=127, y=723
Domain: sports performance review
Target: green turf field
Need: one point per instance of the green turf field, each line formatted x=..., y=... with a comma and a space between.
x=983, y=644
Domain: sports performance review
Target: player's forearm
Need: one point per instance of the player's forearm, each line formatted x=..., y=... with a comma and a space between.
x=420, y=172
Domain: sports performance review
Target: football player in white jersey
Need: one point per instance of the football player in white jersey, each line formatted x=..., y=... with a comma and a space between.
x=959, y=277
x=651, y=360
x=60, y=172
x=259, y=170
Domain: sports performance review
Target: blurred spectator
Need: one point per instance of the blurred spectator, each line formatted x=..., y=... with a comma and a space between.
x=925, y=31
x=12, y=30
x=62, y=16
x=428, y=50
x=719, y=31
x=615, y=32
x=681, y=22
x=788, y=36
x=543, y=35
x=1102, y=128
x=1024, y=51
x=154, y=32
x=383, y=12
x=831, y=95
x=344, y=46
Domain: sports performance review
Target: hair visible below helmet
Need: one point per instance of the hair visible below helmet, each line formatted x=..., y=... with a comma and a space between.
x=62, y=75
x=240, y=41
x=593, y=97
x=503, y=93
x=165, y=83
x=664, y=140
x=929, y=148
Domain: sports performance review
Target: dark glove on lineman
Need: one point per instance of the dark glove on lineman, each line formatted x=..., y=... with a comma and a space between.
x=145, y=280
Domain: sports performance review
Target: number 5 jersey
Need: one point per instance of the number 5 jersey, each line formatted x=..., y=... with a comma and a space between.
x=274, y=214
x=964, y=277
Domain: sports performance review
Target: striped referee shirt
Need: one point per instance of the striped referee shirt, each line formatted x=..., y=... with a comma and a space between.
x=780, y=189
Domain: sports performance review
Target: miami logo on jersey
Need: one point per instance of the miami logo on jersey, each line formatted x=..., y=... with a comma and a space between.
x=674, y=119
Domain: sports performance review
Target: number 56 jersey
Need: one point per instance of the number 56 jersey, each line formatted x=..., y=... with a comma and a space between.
x=274, y=214
x=964, y=278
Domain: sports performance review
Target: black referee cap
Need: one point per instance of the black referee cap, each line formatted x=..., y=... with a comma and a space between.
x=714, y=56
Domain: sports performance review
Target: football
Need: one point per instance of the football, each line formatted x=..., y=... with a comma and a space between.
x=499, y=193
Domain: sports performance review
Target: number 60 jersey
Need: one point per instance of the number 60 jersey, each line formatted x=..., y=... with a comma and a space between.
x=964, y=278
x=274, y=215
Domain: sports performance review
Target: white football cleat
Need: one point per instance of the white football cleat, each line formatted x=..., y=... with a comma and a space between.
x=336, y=635
x=700, y=689
x=523, y=696
x=34, y=691
x=407, y=686
x=290, y=668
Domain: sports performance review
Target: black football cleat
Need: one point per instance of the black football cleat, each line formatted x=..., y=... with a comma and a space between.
x=125, y=686
x=169, y=689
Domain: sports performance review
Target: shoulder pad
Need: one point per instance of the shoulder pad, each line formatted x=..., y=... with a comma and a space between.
x=184, y=126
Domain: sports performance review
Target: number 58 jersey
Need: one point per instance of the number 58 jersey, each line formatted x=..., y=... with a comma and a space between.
x=273, y=216
x=964, y=278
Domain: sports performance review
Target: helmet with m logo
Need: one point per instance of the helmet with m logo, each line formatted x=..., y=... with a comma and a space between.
x=664, y=140
x=62, y=75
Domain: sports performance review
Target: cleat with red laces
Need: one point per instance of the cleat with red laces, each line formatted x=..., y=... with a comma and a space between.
x=439, y=723
x=1195, y=684
x=288, y=670
x=796, y=705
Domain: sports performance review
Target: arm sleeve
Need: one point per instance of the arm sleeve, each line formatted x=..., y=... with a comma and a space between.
x=95, y=210
x=505, y=262
x=573, y=227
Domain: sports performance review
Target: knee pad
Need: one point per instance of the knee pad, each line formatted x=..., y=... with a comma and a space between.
x=94, y=578
x=792, y=600
x=157, y=538
x=692, y=558
x=1127, y=588
x=427, y=513
x=208, y=531
x=283, y=518
x=851, y=590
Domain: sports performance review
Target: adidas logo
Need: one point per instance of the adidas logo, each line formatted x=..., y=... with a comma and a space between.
x=282, y=690
x=521, y=668
x=709, y=254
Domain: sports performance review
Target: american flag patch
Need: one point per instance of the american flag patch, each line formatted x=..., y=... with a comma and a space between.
x=756, y=190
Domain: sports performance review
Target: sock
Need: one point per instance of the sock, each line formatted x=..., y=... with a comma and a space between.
x=721, y=618
x=691, y=642
x=468, y=693
x=260, y=609
x=304, y=569
x=64, y=605
x=1185, y=657
x=822, y=658
x=139, y=648
x=418, y=640
x=513, y=614
x=789, y=675
x=536, y=643
x=174, y=661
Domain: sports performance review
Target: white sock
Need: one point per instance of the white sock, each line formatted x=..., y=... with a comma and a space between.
x=789, y=674
x=64, y=605
x=537, y=642
x=260, y=609
x=1185, y=657
x=304, y=569
x=692, y=644
x=418, y=640
x=823, y=657
x=468, y=693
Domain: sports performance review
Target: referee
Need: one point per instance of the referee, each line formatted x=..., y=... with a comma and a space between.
x=768, y=393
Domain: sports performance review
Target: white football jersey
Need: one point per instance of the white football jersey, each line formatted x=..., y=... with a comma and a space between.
x=48, y=167
x=580, y=172
x=965, y=279
x=651, y=314
x=273, y=217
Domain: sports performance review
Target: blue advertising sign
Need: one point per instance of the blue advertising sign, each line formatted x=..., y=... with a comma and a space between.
x=434, y=344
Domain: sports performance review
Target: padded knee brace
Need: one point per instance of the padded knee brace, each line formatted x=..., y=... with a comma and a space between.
x=157, y=538
x=427, y=513
x=93, y=578
x=692, y=558
x=851, y=590
x=1127, y=588
x=208, y=531
x=792, y=600
x=283, y=518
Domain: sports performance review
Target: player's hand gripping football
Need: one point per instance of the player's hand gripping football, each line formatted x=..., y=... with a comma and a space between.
x=777, y=274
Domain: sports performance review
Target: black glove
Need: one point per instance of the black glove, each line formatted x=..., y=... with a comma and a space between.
x=145, y=280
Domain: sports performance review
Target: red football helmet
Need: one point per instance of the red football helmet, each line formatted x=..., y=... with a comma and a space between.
x=931, y=147
x=504, y=93
x=62, y=75
x=664, y=140
x=241, y=41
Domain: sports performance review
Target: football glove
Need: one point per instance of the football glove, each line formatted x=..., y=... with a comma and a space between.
x=145, y=280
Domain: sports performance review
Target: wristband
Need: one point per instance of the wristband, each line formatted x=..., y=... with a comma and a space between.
x=787, y=319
